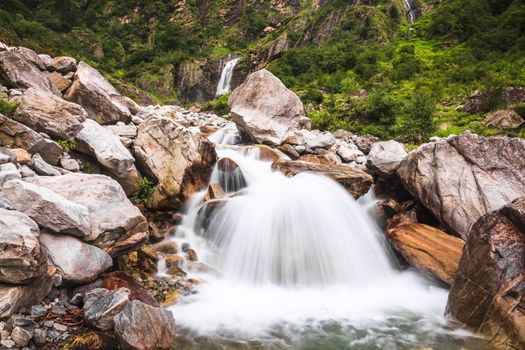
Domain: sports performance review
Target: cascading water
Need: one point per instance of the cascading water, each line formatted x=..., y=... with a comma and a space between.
x=226, y=77
x=411, y=11
x=302, y=266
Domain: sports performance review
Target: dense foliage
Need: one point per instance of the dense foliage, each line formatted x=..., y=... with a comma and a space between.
x=372, y=73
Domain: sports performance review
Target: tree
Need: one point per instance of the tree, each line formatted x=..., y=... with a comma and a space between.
x=417, y=124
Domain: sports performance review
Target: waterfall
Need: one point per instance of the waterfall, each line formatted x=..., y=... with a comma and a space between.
x=411, y=12
x=297, y=257
x=226, y=77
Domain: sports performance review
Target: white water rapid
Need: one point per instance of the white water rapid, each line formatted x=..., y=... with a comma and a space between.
x=302, y=266
x=226, y=77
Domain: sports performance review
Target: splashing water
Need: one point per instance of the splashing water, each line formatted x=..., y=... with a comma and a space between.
x=226, y=77
x=303, y=267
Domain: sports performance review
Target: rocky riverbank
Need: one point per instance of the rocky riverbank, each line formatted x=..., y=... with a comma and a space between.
x=92, y=184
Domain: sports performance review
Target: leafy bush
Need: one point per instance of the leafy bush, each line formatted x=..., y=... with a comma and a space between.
x=7, y=108
x=67, y=145
x=417, y=123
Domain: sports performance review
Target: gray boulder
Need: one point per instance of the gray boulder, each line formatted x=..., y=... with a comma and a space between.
x=8, y=171
x=16, y=135
x=100, y=143
x=14, y=297
x=76, y=261
x=47, y=208
x=464, y=177
x=102, y=101
x=385, y=157
x=42, y=167
x=264, y=109
x=100, y=312
x=63, y=64
x=113, y=218
x=134, y=331
x=22, y=259
x=16, y=71
x=505, y=119
x=44, y=112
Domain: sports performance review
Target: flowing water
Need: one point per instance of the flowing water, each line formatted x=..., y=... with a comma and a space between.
x=411, y=11
x=226, y=77
x=302, y=266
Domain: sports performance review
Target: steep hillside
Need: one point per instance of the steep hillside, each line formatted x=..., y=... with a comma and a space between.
x=359, y=65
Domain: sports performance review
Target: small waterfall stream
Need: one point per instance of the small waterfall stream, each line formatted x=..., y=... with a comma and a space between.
x=302, y=266
x=223, y=87
x=411, y=11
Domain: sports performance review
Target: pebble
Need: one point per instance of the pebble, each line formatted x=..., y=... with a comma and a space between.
x=58, y=310
x=8, y=343
x=77, y=299
x=39, y=336
x=49, y=323
x=60, y=327
x=38, y=310
x=57, y=280
x=21, y=336
x=53, y=334
x=5, y=334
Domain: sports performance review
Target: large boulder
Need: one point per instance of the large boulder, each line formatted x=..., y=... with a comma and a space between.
x=488, y=292
x=385, y=157
x=15, y=297
x=22, y=259
x=431, y=251
x=113, y=218
x=463, y=177
x=92, y=91
x=63, y=64
x=45, y=112
x=16, y=71
x=504, y=119
x=16, y=135
x=100, y=312
x=76, y=261
x=266, y=110
x=179, y=160
x=356, y=181
x=134, y=331
x=100, y=143
x=47, y=208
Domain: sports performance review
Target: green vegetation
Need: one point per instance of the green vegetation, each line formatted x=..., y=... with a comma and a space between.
x=370, y=73
x=7, y=108
x=146, y=188
x=67, y=145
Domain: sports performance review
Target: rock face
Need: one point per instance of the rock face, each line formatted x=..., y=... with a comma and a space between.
x=179, y=160
x=22, y=259
x=47, y=208
x=463, y=177
x=44, y=112
x=102, y=101
x=113, y=218
x=14, y=134
x=385, y=157
x=429, y=250
x=76, y=261
x=134, y=331
x=16, y=71
x=266, y=110
x=488, y=292
x=102, y=144
x=12, y=298
x=356, y=181
x=506, y=119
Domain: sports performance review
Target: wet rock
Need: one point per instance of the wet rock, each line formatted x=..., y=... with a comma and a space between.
x=17, y=135
x=18, y=72
x=112, y=216
x=463, y=177
x=42, y=167
x=356, y=181
x=100, y=143
x=101, y=100
x=121, y=279
x=22, y=259
x=8, y=172
x=63, y=64
x=38, y=310
x=230, y=177
x=76, y=261
x=47, y=208
x=215, y=191
x=385, y=157
x=290, y=151
x=100, y=313
x=266, y=110
x=431, y=251
x=39, y=337
x=488, y=292
x=505, y=119
x=133, y=330
x=45, y=112
x=179, y=160
x=402, y=218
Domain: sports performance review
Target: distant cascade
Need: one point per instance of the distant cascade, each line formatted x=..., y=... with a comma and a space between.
x=226, y=77
x=411, y=11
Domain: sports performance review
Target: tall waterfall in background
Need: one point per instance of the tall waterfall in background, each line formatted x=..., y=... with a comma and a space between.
x=411, y=11
x=226, y=77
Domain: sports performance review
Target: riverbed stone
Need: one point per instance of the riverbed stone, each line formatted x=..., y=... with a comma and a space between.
x=100, y=313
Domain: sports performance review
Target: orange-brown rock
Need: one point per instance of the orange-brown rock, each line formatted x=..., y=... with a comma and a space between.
x=329, y=159
x=119, y=279
x=429, y=250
